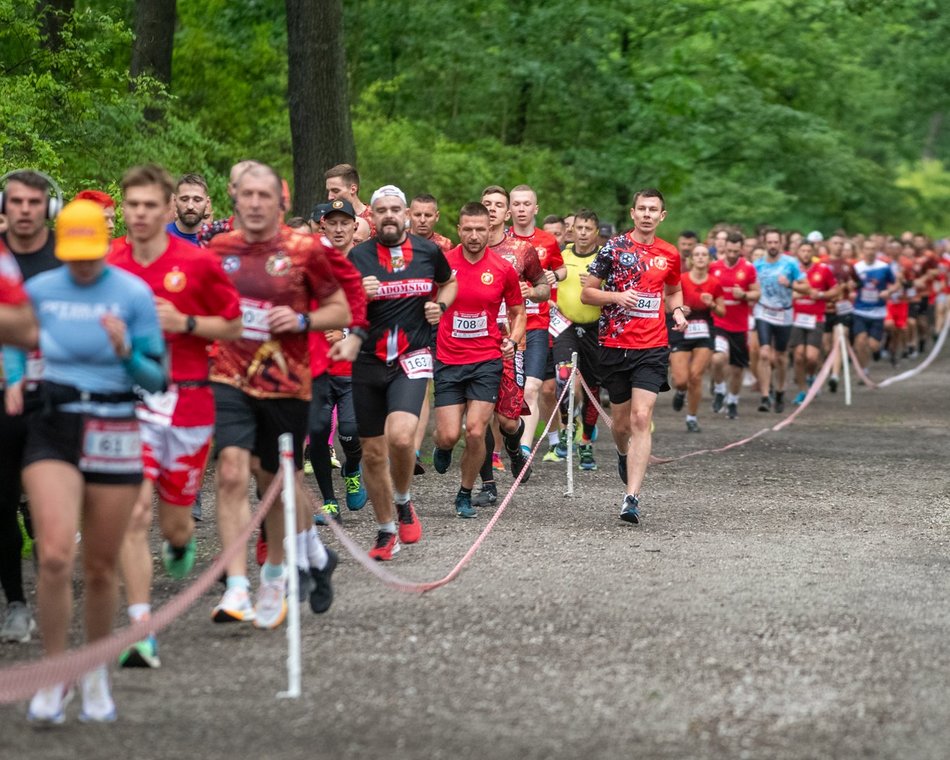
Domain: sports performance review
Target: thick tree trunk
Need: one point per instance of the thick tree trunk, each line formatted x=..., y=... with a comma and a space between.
x=318, y=94
x=52, y=15
x=153, y=44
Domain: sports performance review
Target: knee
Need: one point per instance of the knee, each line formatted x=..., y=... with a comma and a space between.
x=402, y=439
x=233, y=473
x=99, y=573
x=640, y=420
x=55, y=562
x=141, y=519
x=374, y=455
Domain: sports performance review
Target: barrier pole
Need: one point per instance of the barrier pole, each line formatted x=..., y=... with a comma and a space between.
x=570, y=428
x=289, y=497
x=845, y=363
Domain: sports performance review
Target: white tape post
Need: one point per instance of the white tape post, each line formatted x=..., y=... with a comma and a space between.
x=289, y=497
x=570, y=427
x=845, y=362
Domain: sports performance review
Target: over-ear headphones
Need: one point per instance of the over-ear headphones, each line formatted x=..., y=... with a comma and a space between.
x=53, y=205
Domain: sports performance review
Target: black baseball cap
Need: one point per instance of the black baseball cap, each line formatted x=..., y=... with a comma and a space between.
x=339, y=205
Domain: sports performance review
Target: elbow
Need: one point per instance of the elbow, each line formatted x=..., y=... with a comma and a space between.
x=234, y=330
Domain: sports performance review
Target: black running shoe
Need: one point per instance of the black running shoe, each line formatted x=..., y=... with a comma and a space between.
x=679, y=398
x=833, y=384
x=692, y=426
x=321, y=592
x=732, y=411
x=622, y=466
x=630, y=512
x=779, y=402
x=519, y=461
x=486, y=497
x=419, y=469
x=765, y=405
x=441, y=459
x=718, y=401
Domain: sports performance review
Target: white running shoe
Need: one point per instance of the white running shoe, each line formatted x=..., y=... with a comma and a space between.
x=235, y=607
x=270, y=608
x=49, y=705
x=19, y=623
x=97, y=704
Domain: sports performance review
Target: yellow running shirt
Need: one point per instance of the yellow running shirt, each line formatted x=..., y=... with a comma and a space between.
x=569, y=291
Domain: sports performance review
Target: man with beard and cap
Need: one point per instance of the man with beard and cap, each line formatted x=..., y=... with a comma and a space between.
x=390, y=375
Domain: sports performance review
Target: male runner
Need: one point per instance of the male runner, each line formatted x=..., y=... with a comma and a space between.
x=343, y=182
x=423, y=216
x=632, y=278
x=470, y=349
x=197, y=305
x=808, y=315
x=731, y=342
x=876, y=281
x=262, y=389
x=391, y=374
x=192, y=204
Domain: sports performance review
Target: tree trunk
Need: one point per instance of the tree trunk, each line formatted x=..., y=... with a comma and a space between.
x=153, y=44
x=52, y=16
x=318, y=95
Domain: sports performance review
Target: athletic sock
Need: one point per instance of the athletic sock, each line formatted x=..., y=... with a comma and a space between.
x=691, y=418
x=401, y=498
x=486, y=473
x=732, y=398
x=303, y=561
x=465, y=492
x=271, y=572
x=388, y=527
x=513, y=440
x=238, y=581
x=553, y=438
x=316, y=552
x=720, y=388
x=139, y=612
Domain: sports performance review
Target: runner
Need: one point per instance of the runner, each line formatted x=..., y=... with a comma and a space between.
x=16, y=316
x=779, y=276
x=838, y=310
x=197, y=304
x=731, y=330
x=104, y=200
x=391, y=374
x=82, y=466
x=691, y=350
x=876, y=282
x=261, y=387
x=538, y=358
x=29, y=201
x=574, y=327
x=808, y=316
x=470, y=349
x=639, y=274
x=423, y=216
x=343, y=182
x=192, y=204
x=534, y=289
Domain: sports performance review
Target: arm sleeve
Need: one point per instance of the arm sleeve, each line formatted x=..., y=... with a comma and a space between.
x=145, y=362
x=14, y=364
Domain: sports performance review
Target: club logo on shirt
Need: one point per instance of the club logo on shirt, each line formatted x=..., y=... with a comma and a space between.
x=660, y=262
x=740, y=276
x=175, y=281
x=487, y=278
x=278, y=265
x=627, y=259
x=231, y=264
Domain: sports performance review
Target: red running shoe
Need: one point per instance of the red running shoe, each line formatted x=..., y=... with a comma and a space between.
x=387, y=546
x=410, y=530
x=260, y=548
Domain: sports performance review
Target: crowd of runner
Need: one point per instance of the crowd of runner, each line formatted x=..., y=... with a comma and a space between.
x=130, y=362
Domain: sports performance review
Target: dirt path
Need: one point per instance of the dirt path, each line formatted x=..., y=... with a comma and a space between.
x=786, y=599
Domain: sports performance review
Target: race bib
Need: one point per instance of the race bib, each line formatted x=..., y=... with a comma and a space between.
x=774, y=316
x=254, y=319
x=843, y=308
x=647, y=306
x=805, y=321
x=559, y=323
x=503, y=314
x=111, y=446
x=158, y=408
x=869, y=295
x=531, y=307
x=417, y=365
x=34, y=367
x=722, y=344
x=468, y=326
x=750, y=325
x=697, y=329
x=911, y=292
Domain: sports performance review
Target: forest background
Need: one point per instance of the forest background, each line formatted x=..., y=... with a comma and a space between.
x=802, y=113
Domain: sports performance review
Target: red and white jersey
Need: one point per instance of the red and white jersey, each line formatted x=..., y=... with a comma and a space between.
x=192, y=279
x=468, y=331
x=549, y=254
x=807, y=312
x=11, y=281
x=742, y=275
x=623, y=265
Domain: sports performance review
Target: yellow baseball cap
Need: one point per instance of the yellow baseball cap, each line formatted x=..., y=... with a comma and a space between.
x=81, y=233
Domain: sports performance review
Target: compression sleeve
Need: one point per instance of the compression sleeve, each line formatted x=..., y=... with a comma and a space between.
x=14, y=364
x=144, y=364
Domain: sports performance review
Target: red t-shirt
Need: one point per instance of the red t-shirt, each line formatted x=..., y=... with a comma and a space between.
x=468, y=331
x=549, y=254
x=693, y=292
x=287, y=270
x=524, y=258
x=820, y=277
x=736, y=318
x=11, y=280
x=191, y=278
x=622, y=265
x=442, y=241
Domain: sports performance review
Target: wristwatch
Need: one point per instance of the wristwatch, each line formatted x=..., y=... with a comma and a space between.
x=442, y=306
x=303, y=320
x=190, y=324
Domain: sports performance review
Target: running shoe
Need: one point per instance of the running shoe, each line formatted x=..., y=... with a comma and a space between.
x=779, y=402
x=833, y=383
x=441, y=460
x=497, y=464
x=622, y=466
x=321, y=590
x=765, y=404
x=487, y=496
x=386, y=547
x=307, y=466
x=586, y=453
x=519, y=462
x=196, y=509
x=334, y=462
x=19, y=624
x=732, y=410
x=304, y=583
x=410, y=530
x=179, y=561
x=463, y=506
x=679, y=398
x=97, y=704
x=552, y=456
x=692, y=426
x=419, y=469
x=718, y=400
x=593, y=435
x=355, y=490
x=270, y=608
x=630, y=511
x=142, y=654
x=235, y=607
x=48, y=705
x=561, y=447
x=799, y=399
x=331, y=507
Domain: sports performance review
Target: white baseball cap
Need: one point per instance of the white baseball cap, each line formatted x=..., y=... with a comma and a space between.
x=388, y=191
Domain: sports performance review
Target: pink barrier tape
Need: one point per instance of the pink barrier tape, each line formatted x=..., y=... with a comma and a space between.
x=21, y=681
x=399, y=584
x=914, y=371
x=815, y=389
x=858, y=369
